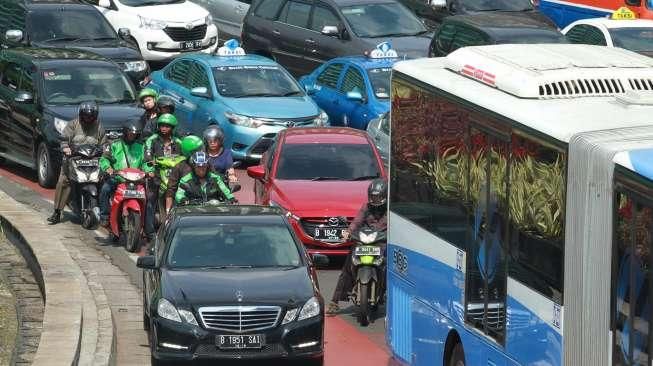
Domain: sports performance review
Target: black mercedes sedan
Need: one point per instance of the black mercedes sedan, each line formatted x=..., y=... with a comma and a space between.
x=231, y=282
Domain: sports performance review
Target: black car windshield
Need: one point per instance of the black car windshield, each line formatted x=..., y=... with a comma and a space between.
x=380, y=79
x=149, y=2
x=73, y=84
x=634, y=39
x=255, y=81
x=326, y=161
x=233, y=245
x=382, y=20
x=52, y=26
x=492, y=5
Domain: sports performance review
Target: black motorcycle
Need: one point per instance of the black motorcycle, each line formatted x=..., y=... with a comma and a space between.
x=84, y=176
x=368, y=260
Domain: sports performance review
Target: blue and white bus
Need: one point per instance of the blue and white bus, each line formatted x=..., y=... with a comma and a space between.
x=521, y=207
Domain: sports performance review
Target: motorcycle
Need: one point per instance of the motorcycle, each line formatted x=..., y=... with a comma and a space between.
x=368, y=259
x=164, y=165
x=84, y=175
x=127, y=214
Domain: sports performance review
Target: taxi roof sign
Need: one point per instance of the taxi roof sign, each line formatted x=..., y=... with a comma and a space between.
x=623, y=13
x=231, y=48
x=383, y=50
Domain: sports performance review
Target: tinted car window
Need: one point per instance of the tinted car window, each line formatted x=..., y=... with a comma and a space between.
x=353, y=81
x=327, y=162
x=509, y=5
x=197, y=77
x=380, y=80
x=323, y=17
x=329, y=77
x=295, y=13
x=234, y=245
x=68, y=25
x=268, y=9
x=178, y=71
x=586, y=34
x=11, y=76
x=634, y=39
x=254, y=81
x=382, y=20
x=74, y=84
x=444, y=37
x=466, y=36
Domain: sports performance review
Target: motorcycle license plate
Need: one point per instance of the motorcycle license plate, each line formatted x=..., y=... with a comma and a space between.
x=240, y=341
x=328, y=234
x=367, y=250
x=87, y=162
x=134, y=194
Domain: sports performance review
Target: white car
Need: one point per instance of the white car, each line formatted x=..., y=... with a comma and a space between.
x=634, y=35
x=162, y=28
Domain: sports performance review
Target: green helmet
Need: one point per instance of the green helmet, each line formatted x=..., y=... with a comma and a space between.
x=190, y=144
x=167, y=119
x=148, y=92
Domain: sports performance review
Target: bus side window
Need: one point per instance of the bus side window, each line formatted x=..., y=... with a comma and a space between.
x=537, y=214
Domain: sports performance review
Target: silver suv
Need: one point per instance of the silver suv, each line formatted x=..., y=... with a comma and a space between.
x=227, y=15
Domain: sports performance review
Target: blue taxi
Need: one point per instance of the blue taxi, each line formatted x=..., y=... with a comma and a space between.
x=250, y=97
x=353, y=90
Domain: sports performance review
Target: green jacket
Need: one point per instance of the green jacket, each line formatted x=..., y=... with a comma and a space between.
x=121, y=156
x=213, y=188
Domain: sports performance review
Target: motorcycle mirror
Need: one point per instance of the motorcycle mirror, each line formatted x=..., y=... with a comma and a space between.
x=146, y=262
x=235, y=188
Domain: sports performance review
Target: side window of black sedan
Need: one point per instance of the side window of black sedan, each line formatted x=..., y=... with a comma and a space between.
x=586, y=34
x=443, y=40
x=467, y=36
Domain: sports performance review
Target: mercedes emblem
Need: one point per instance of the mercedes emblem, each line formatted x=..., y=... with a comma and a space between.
x=239, y=296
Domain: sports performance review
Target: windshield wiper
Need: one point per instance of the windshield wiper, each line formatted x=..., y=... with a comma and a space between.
x=291, y=93
x=225, y=267
x=69, y=39
x=254, y=95
x=314, y=179
x=288, y=266
x=391, y=35
x=365, y=177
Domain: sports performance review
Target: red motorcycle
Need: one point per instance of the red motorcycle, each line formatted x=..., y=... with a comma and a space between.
x=128, y=209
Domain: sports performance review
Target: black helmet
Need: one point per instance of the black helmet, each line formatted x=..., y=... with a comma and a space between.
x=377, y=193
x=198, y=159
x=166, y=102
x=88, y=111
x=213, y=133
x=132, y=125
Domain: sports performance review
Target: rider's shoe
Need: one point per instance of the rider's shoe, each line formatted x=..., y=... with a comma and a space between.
x=55, y=218
x=104, y=221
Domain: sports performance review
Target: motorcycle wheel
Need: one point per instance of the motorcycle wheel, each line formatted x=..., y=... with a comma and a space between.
x=131, y=234
x=364, y=306
x=89, y=221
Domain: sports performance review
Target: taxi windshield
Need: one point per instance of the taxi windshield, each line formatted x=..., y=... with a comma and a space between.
x=255, y=81
x=634, y=39
x=380, y=79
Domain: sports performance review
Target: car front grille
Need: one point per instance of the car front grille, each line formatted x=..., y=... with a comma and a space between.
x=309, y=224
x=289, y=122
x=180, y=34
x=240, y=319
x=267, y=351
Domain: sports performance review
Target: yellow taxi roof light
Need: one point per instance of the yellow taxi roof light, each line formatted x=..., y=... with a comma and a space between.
x=623, y=13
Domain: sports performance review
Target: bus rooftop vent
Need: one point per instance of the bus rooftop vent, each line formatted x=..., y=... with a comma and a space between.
x=549, y=71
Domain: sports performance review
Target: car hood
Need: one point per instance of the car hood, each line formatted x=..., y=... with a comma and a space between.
x=529, y=14
x=174, y=13
x=408, y=47
x=273, y=107
x=218, y=287
x=113, y=50
x=112, y=116
x=320, y=199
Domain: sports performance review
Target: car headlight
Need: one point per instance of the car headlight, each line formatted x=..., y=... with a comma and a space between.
x=245, y=121
x=153, y=24
x=285, y=211
x=290, y=316
x=208, y=20
x=60, y=124
x=135, y=66
x=166, y=310
x=322, y=119
x=188, y=317
x=310, y=309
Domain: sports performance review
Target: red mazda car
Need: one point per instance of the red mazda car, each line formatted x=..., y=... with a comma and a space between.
x=319, y=176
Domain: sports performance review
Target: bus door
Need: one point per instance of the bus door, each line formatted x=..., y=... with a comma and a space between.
x=485, y=292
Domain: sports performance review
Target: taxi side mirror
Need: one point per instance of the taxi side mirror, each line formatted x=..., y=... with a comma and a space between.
x=355, y=96
x=310, y=89
x=200, y=91
x=256, y=172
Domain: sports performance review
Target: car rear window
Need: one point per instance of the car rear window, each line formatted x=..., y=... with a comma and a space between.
x=327, y=161
x=268, y=9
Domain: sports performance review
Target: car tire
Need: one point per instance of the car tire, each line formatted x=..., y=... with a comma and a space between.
x=457, y=356
x=45, y=167
x=146, y=318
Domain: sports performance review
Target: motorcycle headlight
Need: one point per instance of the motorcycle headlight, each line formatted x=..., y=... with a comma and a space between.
x=135, y=66
x=153, y=24
x=367, y=238
x=95, y=176
x=188, y=317
x=310, y=309
x=60, y=124
x=208, y=20
x=322, y=119
x=286, y=212
x=245, y=121
x=290, y=316
x=166, y=310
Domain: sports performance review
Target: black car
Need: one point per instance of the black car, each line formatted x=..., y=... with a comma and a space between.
x=68, y=24
x=445, y=8
x=490, y=28
x=231, y=282
x=40, y=91
x=301, y=34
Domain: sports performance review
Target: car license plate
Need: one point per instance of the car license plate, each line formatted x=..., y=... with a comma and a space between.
x=367, y=250
x=87, y=162
x=134, y=194
x=240, y=341
x=328, y=234
x=190, y=45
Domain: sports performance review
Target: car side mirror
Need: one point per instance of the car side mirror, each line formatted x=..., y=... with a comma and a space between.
x=320, y=260
x=355, y=96
x=146, y=262
x=14, y=35
x=200, y=91
x=331, y=31
x=104, y=4
x=438, y=4
x=124, y=33
x=24, y=98
x=256, y=172
x=310, y=89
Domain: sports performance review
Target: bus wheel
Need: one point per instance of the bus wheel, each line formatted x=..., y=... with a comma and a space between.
x=457, y=356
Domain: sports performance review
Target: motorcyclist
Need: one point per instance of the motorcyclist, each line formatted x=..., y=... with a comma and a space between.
x=127, y=152
x=148, y=98
x=202, y=184
x=86, y=129
x=161, y=144
x=373, y=214
x=189, y=145
x=220, y=159
x=165, y=104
